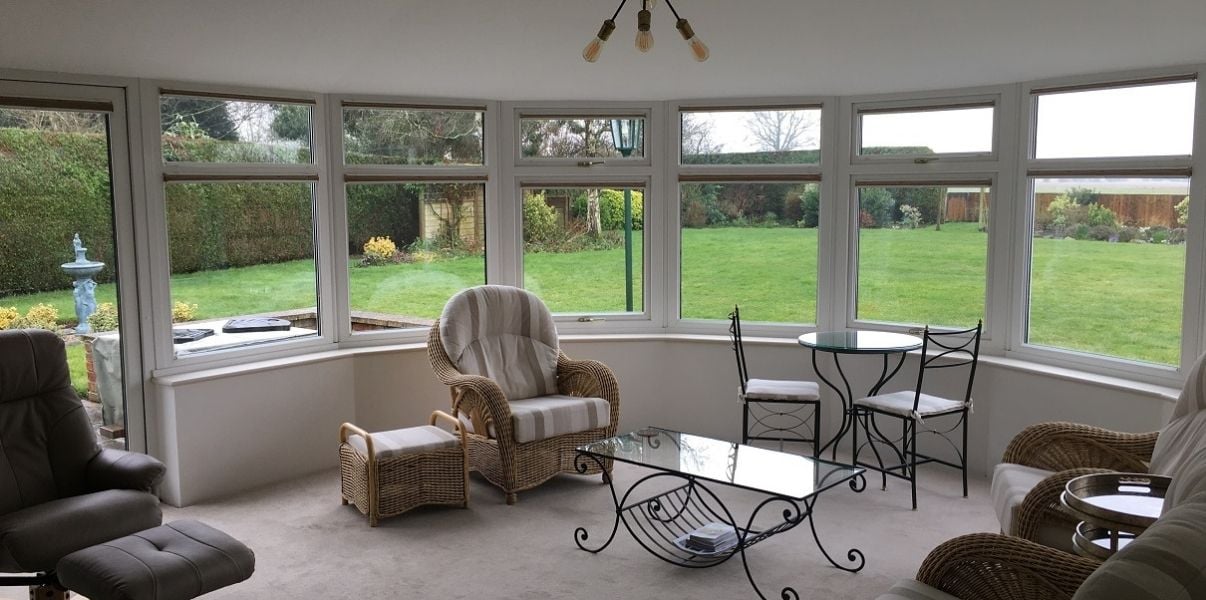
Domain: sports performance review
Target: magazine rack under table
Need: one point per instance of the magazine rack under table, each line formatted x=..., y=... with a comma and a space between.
x=678, y=501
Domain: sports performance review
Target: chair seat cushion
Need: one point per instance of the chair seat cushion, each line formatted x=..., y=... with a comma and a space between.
x=901, y=403
x=1010, y=484
x=181, y=560
x=910, y=589
x=34, y=538
x=782, y=389
x=543, y=417
x=410, y=440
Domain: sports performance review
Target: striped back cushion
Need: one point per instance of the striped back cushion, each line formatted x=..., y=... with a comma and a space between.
x=1186, y=430
x=506, y=334
x=1166, y=562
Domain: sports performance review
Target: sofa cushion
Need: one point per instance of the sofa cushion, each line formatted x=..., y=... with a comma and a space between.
x=1010, y=484
x=909, y=589
x=32, y=539
x=535, y=419
x=781, y=389
x=1186, y=429
x=506, y=334
x=1164, y=563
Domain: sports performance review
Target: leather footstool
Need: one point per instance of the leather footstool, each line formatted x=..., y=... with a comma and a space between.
x=177, y=561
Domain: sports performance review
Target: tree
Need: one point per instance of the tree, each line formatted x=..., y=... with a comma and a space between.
x=210, y=115
x=782, y=130
x=414, y=136
x=697, y=140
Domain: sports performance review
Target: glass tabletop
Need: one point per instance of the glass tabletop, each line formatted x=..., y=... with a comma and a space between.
x=757, y=469
x=860, y=342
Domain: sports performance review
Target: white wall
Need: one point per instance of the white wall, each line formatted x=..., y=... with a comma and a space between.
x=223, y=434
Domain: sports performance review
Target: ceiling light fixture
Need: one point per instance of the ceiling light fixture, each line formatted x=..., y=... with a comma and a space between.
x=644, y=39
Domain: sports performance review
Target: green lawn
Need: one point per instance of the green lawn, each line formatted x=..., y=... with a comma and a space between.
x=1115, y=299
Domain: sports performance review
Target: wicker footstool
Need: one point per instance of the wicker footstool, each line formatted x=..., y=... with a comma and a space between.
x=388, y=473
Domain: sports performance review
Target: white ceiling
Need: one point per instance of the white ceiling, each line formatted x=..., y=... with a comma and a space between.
x=530, y=49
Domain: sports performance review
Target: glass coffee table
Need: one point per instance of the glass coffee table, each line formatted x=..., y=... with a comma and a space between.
x=674, y=515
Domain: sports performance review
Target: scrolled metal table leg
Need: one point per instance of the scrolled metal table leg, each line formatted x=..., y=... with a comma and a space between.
x=853, y=555
x=580, y=534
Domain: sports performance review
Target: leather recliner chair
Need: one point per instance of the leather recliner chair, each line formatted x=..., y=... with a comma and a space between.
x=59, y=491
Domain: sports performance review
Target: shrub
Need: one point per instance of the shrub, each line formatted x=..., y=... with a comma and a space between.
x=40, y=316
x=1102, y=233
x=1182, y=209
x=183, y=311
x=793, y=209
x=1063, y=213
x=1176, y=235
x=1082, y=196
x=1129, y=234
x=878, y=204
x=540, y=224
x=1097, y=215
x=104, y=318
x=810, y=205
x=1157, y=235
x=379, y=251
x=611, y=209
x=910, y=217
x=1081, y=232
x=865, y=219
x=9, y=317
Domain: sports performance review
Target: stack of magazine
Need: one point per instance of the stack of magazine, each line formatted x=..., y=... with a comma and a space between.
x=712, y=538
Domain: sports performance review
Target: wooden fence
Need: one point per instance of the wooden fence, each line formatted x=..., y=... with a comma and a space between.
x=1136, y=210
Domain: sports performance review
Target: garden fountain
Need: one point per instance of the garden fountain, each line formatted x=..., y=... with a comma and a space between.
x=82, y=271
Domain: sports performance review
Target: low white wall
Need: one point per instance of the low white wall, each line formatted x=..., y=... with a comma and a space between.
x=223, y=434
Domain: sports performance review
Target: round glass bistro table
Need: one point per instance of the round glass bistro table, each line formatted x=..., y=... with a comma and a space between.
x=852, y=341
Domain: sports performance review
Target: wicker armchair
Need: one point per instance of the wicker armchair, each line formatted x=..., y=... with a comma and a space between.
x=1068, y=450
x=480, y=402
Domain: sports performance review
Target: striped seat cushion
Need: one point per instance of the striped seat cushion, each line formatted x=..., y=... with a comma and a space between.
x=506, y=334
x=901, y=403
x=544, y=417
x=411, y=440
x=781, y=389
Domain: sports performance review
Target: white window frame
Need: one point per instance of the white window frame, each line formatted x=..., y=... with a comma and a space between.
x=929, y=103
x=1192, y=309
x=821, y=172
x=925, y=170
x=155, y=169
x=519, y=172
x=486, y=174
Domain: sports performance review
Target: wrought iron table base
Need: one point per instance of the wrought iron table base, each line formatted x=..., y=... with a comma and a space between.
x=846, y=395
x=661, y=522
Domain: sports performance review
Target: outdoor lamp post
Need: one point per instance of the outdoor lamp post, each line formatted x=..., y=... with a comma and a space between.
x=626, y=136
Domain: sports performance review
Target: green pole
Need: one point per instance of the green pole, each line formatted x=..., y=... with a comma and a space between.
x=628, y=249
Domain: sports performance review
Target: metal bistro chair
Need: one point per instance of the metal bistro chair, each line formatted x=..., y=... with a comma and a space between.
x=953, y=350
x=776, y=409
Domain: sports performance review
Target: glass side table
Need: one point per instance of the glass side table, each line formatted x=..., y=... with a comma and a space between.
x=1114, y=507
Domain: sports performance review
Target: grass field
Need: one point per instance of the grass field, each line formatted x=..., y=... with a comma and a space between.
x=1114, y=299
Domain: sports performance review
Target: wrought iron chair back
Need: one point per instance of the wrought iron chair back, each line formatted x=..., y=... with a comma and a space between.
x=957, y=349
x=738, y=348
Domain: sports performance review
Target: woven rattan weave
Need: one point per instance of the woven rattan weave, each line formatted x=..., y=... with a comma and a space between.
x=390, y=486
x=508, y=464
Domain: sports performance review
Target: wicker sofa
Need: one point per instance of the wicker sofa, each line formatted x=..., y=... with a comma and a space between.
x=1042, y=458
x=1167, y=561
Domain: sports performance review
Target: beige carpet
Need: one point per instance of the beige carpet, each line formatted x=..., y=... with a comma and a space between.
x=307, y=545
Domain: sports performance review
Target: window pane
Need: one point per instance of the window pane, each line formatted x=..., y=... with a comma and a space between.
x=1146, y=120
x=54, y=185
x=412, y=246
x=922, y=132
x=922, y=252
x=575, y=137
x=1107, y=268
x=760, y=137
x=753, y=244
x=574, y=249
x=389, y=136
x=241, y=250
x=213, y=130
